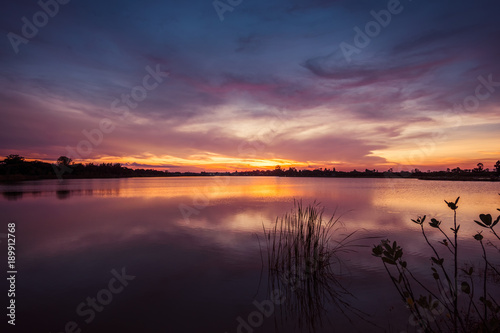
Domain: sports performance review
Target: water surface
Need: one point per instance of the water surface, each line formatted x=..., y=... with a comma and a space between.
x=194, y=246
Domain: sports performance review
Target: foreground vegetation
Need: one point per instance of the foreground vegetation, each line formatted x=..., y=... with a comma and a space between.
x=461, y=298
x=458, y=295
x=302, y=251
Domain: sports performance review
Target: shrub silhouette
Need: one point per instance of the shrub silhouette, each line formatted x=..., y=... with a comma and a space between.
x=441, y=309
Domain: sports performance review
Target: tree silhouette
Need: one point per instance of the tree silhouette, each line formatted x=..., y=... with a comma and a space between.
x=497, y=167
x=480, y=166
x=64, y=160
x=14, y=159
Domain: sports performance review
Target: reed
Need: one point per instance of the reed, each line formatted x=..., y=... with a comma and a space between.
x=302, y=254
x=300, y=240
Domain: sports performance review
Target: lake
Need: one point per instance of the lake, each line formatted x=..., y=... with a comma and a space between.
x=188, y=254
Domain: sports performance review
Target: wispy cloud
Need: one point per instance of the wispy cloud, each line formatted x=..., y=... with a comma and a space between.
x=229, y=78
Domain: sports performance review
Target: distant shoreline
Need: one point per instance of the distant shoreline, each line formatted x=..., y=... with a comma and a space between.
x=24, y=178
x=14, y=168
x=462, y=180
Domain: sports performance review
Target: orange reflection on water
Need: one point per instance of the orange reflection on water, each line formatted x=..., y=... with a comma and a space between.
x=428, y=198
x=225, y=206
x=211, y=188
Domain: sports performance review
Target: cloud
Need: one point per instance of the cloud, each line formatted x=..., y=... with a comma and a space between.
x=229, y=79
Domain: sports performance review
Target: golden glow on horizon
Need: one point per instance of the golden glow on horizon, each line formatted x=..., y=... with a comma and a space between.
x=207, y=161
x=436, y=145
x=441, y=159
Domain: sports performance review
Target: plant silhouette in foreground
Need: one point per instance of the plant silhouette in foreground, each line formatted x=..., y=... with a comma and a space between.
x=302, y=253
x=442, y=308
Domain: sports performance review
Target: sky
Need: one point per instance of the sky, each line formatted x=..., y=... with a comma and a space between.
x=242, y=85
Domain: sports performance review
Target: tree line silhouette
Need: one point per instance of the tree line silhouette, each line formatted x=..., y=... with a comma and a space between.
x=15, y=167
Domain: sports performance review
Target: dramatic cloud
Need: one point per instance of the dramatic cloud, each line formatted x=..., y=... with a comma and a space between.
x=270, y=84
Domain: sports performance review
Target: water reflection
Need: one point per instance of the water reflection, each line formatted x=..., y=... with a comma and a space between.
x=309, y=297
x=12, y=196
x=210, y=265
x=303, y=252
x=61, y=194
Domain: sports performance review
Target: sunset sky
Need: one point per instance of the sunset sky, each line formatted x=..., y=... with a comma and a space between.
x=270, y=84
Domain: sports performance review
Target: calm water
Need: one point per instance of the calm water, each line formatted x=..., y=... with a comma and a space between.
x=193, y=246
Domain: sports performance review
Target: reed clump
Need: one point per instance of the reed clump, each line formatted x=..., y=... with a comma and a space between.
x=302, y=250
x=300, y=240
